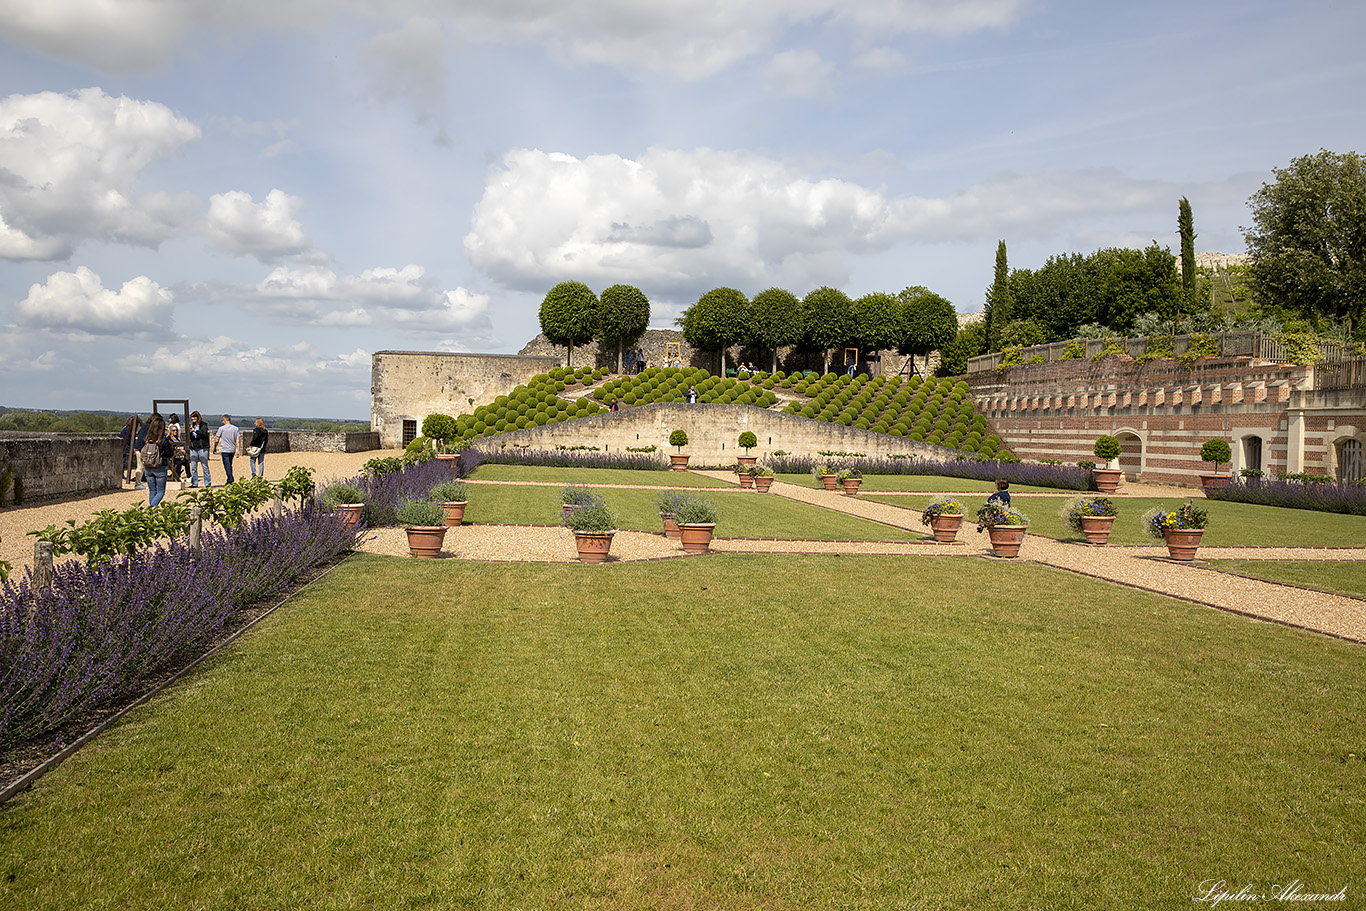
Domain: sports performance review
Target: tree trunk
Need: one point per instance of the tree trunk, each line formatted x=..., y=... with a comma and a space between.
x=723, y=363
x=569, y=358
x=825, y=360
x=775, y=360
x=619, y=347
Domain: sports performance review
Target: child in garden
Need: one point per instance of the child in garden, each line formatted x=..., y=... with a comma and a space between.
x=1002, y=494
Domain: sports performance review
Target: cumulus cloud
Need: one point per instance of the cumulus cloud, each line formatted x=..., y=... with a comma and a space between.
x=407, y=298
x=676, y=221
x=800, y=74
x=230, y=359
x=68, y=166
x=79, y=301
x=690, y=38
x=267, y=230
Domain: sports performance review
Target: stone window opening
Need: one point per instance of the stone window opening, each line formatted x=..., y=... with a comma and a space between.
x=1350, y=463
x=1252, y=452
x=409, y=432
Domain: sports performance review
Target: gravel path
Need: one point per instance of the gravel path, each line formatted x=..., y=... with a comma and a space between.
x=1140, y=567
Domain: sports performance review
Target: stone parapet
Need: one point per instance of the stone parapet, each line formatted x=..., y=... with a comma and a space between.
x=51, y=465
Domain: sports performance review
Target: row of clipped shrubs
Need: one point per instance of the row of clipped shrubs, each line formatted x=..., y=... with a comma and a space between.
x=1295, y=493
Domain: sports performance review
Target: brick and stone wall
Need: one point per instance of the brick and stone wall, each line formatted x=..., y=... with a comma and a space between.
x=308, y=441
x=48, y=465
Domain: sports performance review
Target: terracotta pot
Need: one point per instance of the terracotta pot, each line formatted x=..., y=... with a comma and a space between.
x=593, y=545
x=1006, y=539
x=762, y=483
x=696, y=536
x=670, y=526
x=1182, y=543
x=425, y=541
x=454, y=512
x=1107, y=479
x=831, y=482
x=851, y=486
x=678, y=462
x=1214, y=481
x=448, y=459
x=748, y=460
x=350, y=513
x=746, y=480
x=945, y=528
x=1097, y=529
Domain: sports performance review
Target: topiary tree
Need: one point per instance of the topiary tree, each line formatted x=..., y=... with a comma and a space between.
x=679, y=439
x=569, y=316
x=720, y=318
x=1216, y=451
x=623, y=317
x=748, y=441
x=776, y=320
x=929, y=323
x=827, y=321
x=1107, y=448
x=441, y=428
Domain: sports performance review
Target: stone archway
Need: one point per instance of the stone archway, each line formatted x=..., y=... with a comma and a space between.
x=1130, y=454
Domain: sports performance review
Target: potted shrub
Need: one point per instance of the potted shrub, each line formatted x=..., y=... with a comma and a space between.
x=425, y=526
x=1218, y=452
x=747, y=442
x=572, y=496
x=593, y=525
x=1107, y=478
x=1005, y=527
x=1180, y=528
x=441, y=430
x=1093, y=517
x=762, y=477
x=667, y=503
x=944, y=515
x=696, y=518
x=678, y=439
x=827, y=475
x=742, y=472
x=453, y=499
x=345, y=499
x=851, y=478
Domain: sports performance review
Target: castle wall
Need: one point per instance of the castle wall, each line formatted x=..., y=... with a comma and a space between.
x=48, y=465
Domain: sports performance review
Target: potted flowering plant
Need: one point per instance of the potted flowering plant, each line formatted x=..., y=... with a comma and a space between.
x=1180, y=528
x=762, y=477
x=1107, y=478
x=944, y=515
x=594, y=524
x=1093, y=517
x=747, y=442
x=453, y=499
x=667, y=503
x=851, y=478
x=827, y=475
x=678, y=439
x=345, y=499
x=1005, y=527
x=742, y=472
x=572, y=496
x=425, y=525
x=696, y=518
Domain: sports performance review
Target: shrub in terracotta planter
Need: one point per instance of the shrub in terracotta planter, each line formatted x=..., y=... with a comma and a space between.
x=1093, y=517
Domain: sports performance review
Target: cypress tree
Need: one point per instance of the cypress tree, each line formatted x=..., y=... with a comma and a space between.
x=1185, y=224
x=997, y=310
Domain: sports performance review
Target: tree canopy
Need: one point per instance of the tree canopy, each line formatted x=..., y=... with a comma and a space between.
x=623, y=317
x=1308, y=240
x=929, y=322
x=777, y=320
x=569, y=315
x=719, y=318
x=828, y=319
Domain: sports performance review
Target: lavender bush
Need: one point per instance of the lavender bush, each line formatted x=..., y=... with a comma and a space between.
x=1065, y=477
x=1294, y=494
x=384, y=493
x=561, y=458
x=100, y=630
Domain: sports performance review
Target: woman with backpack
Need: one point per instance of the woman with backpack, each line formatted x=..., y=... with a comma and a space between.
x=157, y=453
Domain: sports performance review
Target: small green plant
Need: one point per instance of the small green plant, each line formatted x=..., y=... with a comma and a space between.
x=1201, y=345
x=940, y=506
x=1087, y=464
x=1107, y=448
x=1075, y=508
x=1158, y=520
x=1074, y=350
x=696, y=510
x=595, y=516
x=650, y=448
x=993, y=514
x=759, y=471
x=297, y=484
x=667, y=502
x=449, y=492
x=1216, y=451
x=748, y=441
x=678, y=439
x=380, y=466
x=113, y=533
x=441, y=428
x=1251, y=472
x=229, y=505
x=849, y=474
x=341, y=493
x=415, y=513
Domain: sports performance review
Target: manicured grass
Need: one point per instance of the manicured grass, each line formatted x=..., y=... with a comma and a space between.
x=744, y=514
x=1230, y=524
x=736, y=731
x=913, y=482
x=1339, y=577
x=530, y=474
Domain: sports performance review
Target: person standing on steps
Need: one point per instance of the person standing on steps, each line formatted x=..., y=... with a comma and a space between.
x=199, y=450
x=225, y=437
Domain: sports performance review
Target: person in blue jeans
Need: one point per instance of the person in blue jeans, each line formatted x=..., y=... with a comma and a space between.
x=156, y=474
x=226, y=437
x=199, y=450
x=257, y=448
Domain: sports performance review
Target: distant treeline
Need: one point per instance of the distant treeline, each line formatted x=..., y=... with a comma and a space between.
x=29, y=421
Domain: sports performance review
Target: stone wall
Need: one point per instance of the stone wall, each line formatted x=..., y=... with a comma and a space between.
x=409, y=385
x=308, y=441
x=713, y=431
x=48, y=465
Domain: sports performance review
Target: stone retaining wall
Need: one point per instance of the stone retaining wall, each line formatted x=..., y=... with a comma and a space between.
x=308, y=441
x=50, y=465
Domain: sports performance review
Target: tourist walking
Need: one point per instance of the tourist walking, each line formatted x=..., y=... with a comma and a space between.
x=225, y=439
x=256, y=449
x=199, y=450
x=156, y=456
x=692, y=395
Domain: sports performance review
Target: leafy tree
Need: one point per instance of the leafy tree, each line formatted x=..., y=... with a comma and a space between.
x=623, y=317
x=777, y=316
x=720, y=318
x=930, y=323
x=1066, y=292
x=1137, y=282
x=1022, y=333
x=879, y=323
x=828, y=320
x=1308, y=243
x=970, y=342
x=997, y=311
x=569, y=315
x=1185, y=225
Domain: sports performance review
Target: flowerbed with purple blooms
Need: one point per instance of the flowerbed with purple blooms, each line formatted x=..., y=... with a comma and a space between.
x=1034, y=474
x=1294, y=494
x=559, y=458
x=101, y=631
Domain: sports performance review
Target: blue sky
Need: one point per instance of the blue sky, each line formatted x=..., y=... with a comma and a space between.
x=240, y=202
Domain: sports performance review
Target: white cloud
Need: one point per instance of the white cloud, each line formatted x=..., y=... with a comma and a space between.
x=78, y=300
x=408, y=64
x=676, y=222
x=800, y=74
x=267, y=230
x=229, y=358
x=406, y=298
x=69, y=164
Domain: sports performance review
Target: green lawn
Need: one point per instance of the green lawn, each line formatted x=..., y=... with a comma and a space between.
x=744, y=514
x=737, y=731
x=1339, y=577
x=529, y=474
x=1230, y=524
x=913, y=482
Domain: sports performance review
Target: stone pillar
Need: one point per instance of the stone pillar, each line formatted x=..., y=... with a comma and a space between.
x=1294, y=439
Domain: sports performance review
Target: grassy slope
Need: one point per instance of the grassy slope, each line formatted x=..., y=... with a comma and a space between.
x=733, y=732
